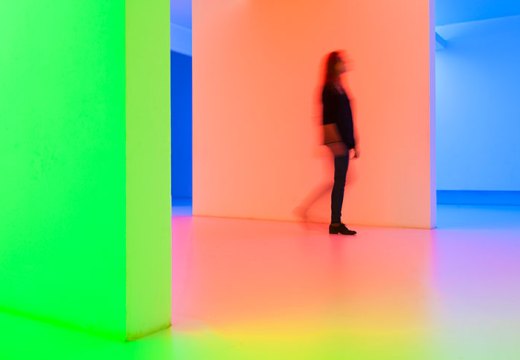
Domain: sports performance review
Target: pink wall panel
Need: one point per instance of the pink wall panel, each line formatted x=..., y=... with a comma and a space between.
x=256, y=127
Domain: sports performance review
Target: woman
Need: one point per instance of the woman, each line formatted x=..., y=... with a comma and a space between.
x=338, y=126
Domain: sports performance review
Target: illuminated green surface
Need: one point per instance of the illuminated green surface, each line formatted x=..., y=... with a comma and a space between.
x=307, y=341
x=148, y=164
x=84, y=206
x=321, y=339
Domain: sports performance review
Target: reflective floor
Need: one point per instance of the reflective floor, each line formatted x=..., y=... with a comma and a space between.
x=268, y=290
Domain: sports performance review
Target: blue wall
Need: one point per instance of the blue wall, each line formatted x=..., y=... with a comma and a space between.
x=181, y=100
x=478, y=106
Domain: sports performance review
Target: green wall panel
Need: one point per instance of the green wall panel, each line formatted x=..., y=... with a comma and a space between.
x=148, y=166
x=84, y=185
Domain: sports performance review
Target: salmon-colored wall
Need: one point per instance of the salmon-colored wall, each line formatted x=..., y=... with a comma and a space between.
x=257, y=67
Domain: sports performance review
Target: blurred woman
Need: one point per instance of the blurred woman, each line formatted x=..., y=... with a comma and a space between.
x=338, y=128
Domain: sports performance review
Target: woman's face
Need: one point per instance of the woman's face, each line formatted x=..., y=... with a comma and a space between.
x=341, y=67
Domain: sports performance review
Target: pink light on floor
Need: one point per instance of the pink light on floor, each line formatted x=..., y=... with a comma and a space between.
x=409, y=294
x=240, y=271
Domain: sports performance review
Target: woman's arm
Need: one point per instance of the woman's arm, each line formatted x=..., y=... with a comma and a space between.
x=331, y=135
x=355, y=129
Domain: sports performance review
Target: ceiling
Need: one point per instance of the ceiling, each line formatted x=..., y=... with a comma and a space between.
x=447, y=11
x=457, y=11
x=181, y=12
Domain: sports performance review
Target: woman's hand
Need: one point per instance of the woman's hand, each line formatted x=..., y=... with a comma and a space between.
x=357, y=154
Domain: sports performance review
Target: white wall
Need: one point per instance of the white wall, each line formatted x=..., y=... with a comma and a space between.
x=257, y=69
x=478, y=106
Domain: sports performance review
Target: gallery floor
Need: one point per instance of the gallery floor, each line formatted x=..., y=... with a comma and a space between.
x=270, y=290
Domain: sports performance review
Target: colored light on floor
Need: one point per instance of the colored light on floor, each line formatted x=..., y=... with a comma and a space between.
x=267, y=290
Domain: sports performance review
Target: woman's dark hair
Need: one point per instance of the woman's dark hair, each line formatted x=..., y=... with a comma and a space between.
x=331, y=74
